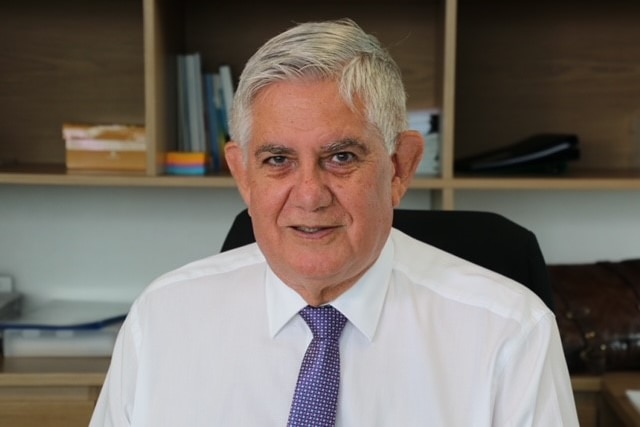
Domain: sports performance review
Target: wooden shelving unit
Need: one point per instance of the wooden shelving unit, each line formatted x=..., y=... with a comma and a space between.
x=497, y=74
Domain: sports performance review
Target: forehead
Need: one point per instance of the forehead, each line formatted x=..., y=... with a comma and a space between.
x=312, y=110
x=309, y=97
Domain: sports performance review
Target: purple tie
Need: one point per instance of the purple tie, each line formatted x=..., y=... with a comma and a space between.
x=316, y=396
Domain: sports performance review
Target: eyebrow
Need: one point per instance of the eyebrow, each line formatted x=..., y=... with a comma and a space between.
x=334, y=147
x=344, y=144
x=276, y=149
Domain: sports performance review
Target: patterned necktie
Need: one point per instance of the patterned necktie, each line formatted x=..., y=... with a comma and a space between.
x=316, y=396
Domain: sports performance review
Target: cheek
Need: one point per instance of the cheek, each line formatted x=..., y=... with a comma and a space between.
x=383, y=193
x=264, y=191
x=262, y=206
x=266, y=203
x=372, y=204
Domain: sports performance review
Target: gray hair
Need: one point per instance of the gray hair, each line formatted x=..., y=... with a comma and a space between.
x=333, y=50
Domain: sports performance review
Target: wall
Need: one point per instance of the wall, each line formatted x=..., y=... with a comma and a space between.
x=108, y=243
x=571, y=226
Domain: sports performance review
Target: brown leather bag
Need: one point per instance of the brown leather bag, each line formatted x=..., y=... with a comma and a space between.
x=597, y=307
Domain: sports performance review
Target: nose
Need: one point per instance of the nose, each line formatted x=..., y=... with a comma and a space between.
x=311, y=190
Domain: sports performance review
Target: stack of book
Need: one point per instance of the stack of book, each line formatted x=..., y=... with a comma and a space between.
x=204, y=105
x=187, y=163
x=105, y=147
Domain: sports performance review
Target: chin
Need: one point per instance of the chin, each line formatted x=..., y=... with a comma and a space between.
x=320, y=269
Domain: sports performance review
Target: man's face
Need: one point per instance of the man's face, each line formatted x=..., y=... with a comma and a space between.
x=320, y=188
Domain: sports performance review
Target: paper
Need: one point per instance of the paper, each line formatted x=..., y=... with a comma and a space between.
x=634, y=397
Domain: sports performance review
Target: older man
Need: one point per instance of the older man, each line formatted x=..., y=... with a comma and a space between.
x=332, y=317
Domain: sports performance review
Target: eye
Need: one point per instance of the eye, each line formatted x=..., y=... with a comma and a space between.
x=343, y=157
x=276, y=160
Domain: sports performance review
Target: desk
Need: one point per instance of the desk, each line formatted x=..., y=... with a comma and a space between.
x=61, y=392
x=49, y=392
x=620, y=408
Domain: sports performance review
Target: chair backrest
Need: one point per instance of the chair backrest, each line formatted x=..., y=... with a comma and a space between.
x=484, y=238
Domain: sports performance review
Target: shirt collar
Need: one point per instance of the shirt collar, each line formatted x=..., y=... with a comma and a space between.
x=361, y=304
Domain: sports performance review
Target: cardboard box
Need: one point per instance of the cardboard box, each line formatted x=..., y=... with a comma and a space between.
x=106, y=160
x=105, y=147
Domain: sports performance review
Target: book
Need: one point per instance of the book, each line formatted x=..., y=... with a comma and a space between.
x=191, y=95
x=186, y=163
x=205, y=100
x=183, y=121
x=227, y=91
x=195, y=98
x=215, y=133
x=222, y=116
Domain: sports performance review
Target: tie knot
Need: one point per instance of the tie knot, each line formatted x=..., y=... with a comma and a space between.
x=325, y=322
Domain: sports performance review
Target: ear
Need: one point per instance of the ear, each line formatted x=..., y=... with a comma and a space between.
x=234, y=155
x=409, y=151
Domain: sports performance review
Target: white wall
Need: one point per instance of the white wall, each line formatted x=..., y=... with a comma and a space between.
x=571, y=226
x=108, y=243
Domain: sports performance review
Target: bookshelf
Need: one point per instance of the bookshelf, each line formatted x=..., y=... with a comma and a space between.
x=497, y=71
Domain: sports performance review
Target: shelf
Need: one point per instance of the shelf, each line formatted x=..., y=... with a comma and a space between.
x=565, y=66
x=574, y=180
x=58, y=175
x=488, y=91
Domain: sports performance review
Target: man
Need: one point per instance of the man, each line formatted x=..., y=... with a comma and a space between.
x=321, y=156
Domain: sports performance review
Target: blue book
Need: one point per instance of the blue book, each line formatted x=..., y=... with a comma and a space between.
x=226, y=90
x=190, y=170
x=183, y=114
x=195, y=103
x=214, y=131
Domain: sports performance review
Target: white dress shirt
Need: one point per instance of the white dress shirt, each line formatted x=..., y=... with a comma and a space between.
x=431, y=340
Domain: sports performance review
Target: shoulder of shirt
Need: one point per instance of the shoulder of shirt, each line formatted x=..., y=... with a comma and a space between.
x=462, y=281
x=215, y=265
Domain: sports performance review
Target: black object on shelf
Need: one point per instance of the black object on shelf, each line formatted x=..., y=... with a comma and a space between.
x=545, y=153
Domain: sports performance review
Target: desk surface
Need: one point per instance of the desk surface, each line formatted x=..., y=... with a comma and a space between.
x=45, y=371
x=91, y=371
x=614, y=389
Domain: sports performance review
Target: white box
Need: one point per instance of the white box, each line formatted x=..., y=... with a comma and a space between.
x=59, y=342
x=422, y=121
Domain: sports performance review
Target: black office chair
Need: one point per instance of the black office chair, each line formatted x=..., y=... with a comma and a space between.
x=484, y=238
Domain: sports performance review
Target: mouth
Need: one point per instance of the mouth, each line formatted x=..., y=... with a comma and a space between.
x=305, y=229
x=311, y=230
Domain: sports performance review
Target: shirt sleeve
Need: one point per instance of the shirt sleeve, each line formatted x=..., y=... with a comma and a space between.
x=115, y=402
x=534, y=388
